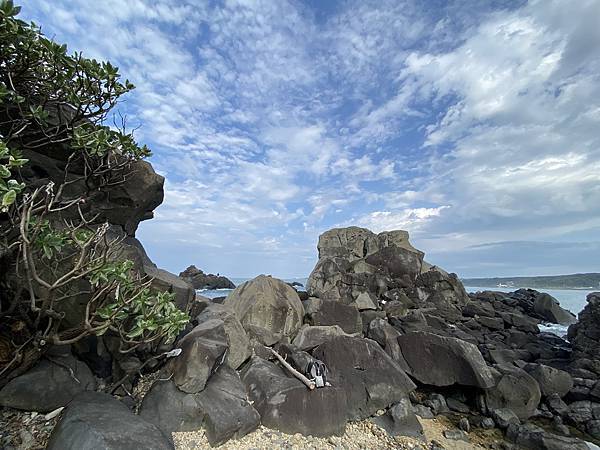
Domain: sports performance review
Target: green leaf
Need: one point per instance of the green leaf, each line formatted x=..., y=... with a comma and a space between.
x=9, y=198
x=4, y=172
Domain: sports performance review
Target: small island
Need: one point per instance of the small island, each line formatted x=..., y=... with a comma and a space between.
x=201, y=280
x=574, y=281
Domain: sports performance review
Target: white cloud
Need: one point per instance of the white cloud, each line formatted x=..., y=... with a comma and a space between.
x=272, y=124
x=411, y=219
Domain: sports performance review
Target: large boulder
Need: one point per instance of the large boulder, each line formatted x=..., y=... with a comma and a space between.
x=268, y=303
x=400, y=420
x=203, y=351
x=163, y=280
x=444, y=361
x=285, y=404
x=326, y=312
x=397, y=262
x=50, y=384
x=354, y=261
x=550, y=379
x=370, y=378
x=310, y=337
x=132, y=201
x=95, y=421
x=222, y=408
x=239, y=343
x=532, y=437
x=228, y=413
x=129, y=199
x=201, y=280
x=515, y=390
x=442, y=290
x=585, y=334
x=354, y=243
x=171, y=409
x=387, y=336
x=549, y=309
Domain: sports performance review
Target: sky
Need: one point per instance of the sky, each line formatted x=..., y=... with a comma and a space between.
x=473, y=125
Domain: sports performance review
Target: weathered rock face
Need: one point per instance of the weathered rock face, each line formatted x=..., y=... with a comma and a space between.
x=98, y=421
x=201, y=280
x=443, y=291
x=549, y=309
x=170, y=409
x=400, y=420
x=285, y=404
x=48, y=385
x=222, y=408
x=355, y=261
x=354, y=243
x=228, y=414
x=515, y=390
x=203, y=351
x=310, y=337
x=126, y=203
x=371, y=379
x=585, y=335
x=529, y=436
x=268, y=304
x=387, y=337
x=239, y=343
x=550, y=379
x=326, y=312
x=443, y=361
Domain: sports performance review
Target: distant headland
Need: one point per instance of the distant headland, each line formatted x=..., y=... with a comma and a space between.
x=574, y=281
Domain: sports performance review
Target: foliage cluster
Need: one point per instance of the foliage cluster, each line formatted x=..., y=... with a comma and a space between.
x=52, y=101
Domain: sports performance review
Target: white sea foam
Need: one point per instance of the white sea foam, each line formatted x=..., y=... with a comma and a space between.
x=554, y=328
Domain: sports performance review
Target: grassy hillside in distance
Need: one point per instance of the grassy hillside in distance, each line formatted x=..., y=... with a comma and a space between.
x=575, y=281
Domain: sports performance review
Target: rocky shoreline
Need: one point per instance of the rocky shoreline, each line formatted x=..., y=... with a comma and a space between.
x=403, y=345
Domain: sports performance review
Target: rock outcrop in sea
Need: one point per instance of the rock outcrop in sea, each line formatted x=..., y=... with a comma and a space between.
x=201, y=280
x=400, y=338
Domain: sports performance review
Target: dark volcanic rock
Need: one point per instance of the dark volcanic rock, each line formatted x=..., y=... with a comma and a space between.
x=285, y=404
x=370, y=378
x=48, y=385
x=443, y=361
x=327, y=312
x=201, y=280
x=203, y=351
x=504, y=417
x=397, y=262
x=355, y=261
x=549, y=309
x=268, y=304
x=310, y=337
x=400, y=420
x=529, y=436
x=386, y=336
x=515, y=390
x=171, y=409
x=222, y=408
x=239, y=343
x=551, y=380
x=95, y=421
x=228, y=414
x=585, y=334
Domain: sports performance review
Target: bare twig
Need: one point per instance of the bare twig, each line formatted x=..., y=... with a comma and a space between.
x=311, y=385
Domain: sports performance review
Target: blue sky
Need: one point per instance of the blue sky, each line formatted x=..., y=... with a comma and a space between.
x=473, y=125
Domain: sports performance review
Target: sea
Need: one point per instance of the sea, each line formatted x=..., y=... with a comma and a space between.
x=573, y=300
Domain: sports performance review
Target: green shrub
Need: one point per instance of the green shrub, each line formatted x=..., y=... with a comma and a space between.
x=51, y=100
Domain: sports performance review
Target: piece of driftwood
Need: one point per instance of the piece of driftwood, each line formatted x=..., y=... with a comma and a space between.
x=306, y=381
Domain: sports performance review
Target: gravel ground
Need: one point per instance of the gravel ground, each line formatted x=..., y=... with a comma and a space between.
x=358, y=436
x=21, y=430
